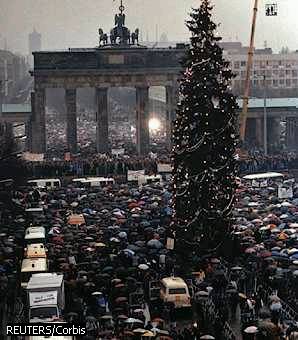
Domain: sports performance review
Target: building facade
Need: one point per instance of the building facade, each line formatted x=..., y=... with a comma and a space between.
x=279, y=72
x=13, y=69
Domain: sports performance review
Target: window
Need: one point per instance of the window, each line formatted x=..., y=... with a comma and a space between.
x=281, y=81
x=243, y=74
x=275, y=72
x=262, y=64
x=275, y=82
x=269, y=73
x=243, y=63
x=56, y=184
x=236, y=64
x=237, y=83
x=48, y=184
x=177, y=291
x=288, y=82
x=281, y=73
x=294, y=73
x=295, y=81
x=288, y=72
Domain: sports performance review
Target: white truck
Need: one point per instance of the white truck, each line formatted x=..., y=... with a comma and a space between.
x=46, y=297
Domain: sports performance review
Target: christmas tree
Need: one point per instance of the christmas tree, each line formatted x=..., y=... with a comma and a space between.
x=204, y=141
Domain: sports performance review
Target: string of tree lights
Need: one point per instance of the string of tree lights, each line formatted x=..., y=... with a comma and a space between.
x=204, y=142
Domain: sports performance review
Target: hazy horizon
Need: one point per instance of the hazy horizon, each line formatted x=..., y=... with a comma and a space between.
x=74, y=23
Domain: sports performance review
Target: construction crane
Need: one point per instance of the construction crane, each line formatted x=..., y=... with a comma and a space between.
x=270, y=10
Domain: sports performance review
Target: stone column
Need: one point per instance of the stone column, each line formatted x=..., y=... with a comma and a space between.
x=259, y=132
x=102, y=129
x=295, y=130
x=142, y=131
x=38, y=100
x=71, y=119
x=171, y=105
x=273, y=133
x=28, y=134
x=29, y=125
x=292, y=133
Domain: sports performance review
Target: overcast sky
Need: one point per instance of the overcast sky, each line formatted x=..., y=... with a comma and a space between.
x=74, y=23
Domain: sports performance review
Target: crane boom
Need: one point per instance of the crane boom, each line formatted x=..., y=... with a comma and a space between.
x=243, y=115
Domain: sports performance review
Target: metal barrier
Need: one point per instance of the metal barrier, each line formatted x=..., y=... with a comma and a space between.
x=213, y=314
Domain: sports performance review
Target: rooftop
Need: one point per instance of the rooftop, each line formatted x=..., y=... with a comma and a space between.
x=270, y=102
x=16, y=108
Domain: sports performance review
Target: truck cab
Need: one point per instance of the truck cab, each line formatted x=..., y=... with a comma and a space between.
x=35, y=250
x=35, y=235
x=175, y=290
x=46, y=297
x=32, y=266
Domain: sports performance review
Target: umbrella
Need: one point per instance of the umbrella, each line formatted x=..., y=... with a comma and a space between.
x=251, y=330
x=143, y=266
x=276, y=306
x=106, y=317
x=292, y=251
x=250, y=251
x=133, y=320
x=129, y=252
x=115, y=281
x=154, y=244
x=99, y=245
x=121, y=299
x=158, y=320
x=243, y=296
x=202, y=293
x=114, y=239
x=139, y=330
x=122, y=317
x=148, y=334
x=107, y=269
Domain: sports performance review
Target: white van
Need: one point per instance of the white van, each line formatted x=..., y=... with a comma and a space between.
x=94, y=181
x=48, y=183
x=146, y=179
x=35, y=235
x=175, y=290
x=32, y=266
x=35, y=250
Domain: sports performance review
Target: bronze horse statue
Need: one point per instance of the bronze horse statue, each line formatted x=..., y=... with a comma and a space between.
x=135, y=37
x=103, y=37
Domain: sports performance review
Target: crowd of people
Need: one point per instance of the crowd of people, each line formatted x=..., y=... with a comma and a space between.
x=96, y=166
x=109, y=260
x=258, y=162
x=105, y=165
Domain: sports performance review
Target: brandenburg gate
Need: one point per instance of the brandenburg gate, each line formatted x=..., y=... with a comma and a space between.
x=120, y=62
